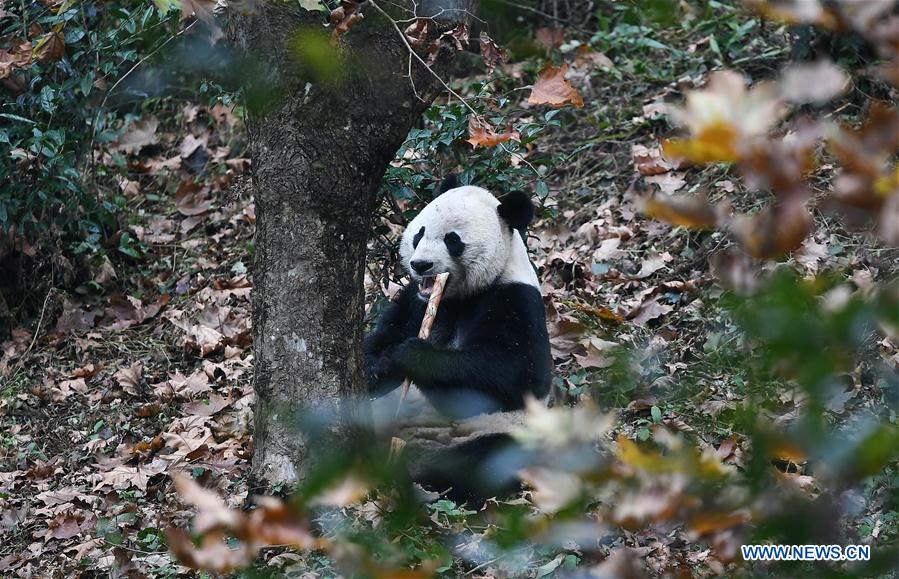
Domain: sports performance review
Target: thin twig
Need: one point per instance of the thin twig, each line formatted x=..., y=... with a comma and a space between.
x=420, y=59
x=127, y=74
x=37, y=331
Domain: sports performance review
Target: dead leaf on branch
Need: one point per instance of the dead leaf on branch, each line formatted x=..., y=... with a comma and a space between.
x=457, y=37
x=867, y=177
x=492, y=54
x=49, y=47
x=417, y=33
x=551, y=88
x=482, y=134
x=344, y=17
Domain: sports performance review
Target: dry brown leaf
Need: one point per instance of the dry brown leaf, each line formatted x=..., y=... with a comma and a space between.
x=482, y=134
x=344, y=17
x=137, y=136
x=126, y=311
x=668, y=183
x=75, y=319
x=212, y=512
x=551, y=88
x=552, y=489
x=129, y=378
x=350, y=489
x=694, y=212
x=585, y=57
x=49, y=47
x=192, y=198
x=492, y=54
x=417, y=32
x=776, y=230
x=649, y=161
x=17, y=57
x=191, y=143
x=648, y=311
x=815, y=82
x=213, y=554
x=550, y=38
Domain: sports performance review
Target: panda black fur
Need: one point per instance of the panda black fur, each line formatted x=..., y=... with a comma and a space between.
x=489, y=348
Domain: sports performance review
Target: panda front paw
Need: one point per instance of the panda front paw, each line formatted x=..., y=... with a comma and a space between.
x=414, y=356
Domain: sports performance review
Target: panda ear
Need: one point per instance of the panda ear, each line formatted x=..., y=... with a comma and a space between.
x=451, y=181
x=516, y=209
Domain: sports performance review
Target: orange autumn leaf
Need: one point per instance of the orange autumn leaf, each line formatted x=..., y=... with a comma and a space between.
x=776, y=230
x=344, y=17
x=692, y=212
x=705, y=523
x=714, y=144
x=552, y=89
x=482, y=134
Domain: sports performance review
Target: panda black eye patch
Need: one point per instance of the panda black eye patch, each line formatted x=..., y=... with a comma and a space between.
x=417, y=238
x=454, y=244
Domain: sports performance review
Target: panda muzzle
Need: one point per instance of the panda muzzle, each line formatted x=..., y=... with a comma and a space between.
x=426, y=285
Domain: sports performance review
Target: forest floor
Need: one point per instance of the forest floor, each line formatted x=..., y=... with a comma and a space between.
x=145, y=368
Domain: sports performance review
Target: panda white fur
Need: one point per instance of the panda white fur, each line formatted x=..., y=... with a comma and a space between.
x=488, y=349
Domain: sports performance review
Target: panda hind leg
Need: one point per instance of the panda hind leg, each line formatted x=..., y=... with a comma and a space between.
x=476, y=470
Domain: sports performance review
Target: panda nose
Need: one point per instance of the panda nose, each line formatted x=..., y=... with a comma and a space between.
x=421, y=266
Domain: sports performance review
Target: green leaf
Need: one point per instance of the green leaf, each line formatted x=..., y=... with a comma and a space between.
x=16, y=118
x=656, y=414
x=312, y=5
x=165, y=5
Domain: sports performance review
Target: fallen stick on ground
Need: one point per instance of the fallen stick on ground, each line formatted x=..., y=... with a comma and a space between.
x=425, y=330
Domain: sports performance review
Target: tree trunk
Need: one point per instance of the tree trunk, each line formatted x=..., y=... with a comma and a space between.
x=318, y=156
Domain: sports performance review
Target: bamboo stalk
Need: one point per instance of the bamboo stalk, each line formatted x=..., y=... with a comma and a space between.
x=426, y=323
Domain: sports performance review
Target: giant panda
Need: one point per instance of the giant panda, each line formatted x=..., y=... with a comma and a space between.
x=488, y=351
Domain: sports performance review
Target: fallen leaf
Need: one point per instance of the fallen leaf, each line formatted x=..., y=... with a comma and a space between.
x=585, y=57
x=694, y=212
x=551, y=88
x=550, y=38
x=552, y=490
x=138, y=135
x=648, y=311
x=816, y=82
x=129, y=378
x=18, y=56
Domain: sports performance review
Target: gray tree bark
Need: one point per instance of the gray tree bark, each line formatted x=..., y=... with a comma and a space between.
x=318, y=155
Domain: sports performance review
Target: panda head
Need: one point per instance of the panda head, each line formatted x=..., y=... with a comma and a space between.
x=471, y=234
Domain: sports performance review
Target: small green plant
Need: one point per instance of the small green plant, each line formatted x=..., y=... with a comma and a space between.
x=65, y=61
